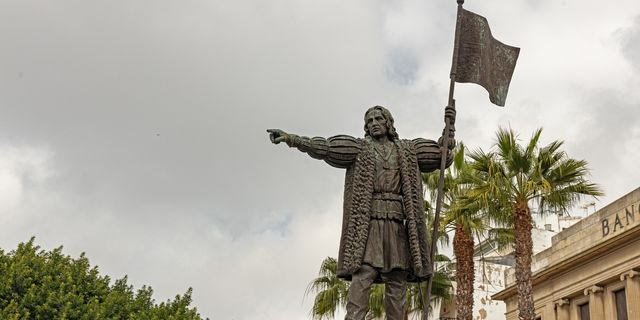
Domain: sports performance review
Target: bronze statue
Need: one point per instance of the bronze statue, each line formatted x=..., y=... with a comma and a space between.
x=384, y=236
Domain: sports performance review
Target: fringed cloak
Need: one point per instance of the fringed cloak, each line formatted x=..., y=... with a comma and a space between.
x=358, y=192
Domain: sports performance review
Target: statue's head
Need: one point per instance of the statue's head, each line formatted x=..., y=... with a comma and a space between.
x=379, y=122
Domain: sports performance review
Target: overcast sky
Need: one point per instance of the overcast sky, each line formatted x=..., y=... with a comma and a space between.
x=134, y=131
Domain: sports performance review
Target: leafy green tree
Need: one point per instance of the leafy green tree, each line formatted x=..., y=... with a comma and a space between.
x=511, y=177
x=48, y=285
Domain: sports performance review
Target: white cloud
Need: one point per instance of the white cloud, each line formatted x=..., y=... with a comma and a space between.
x=23, y=170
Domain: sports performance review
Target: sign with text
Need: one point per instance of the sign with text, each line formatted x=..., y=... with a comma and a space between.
x=621, y=220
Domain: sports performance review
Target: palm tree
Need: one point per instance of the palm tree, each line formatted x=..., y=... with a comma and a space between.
x=331, y=291
x=464, y=217
x=441, y=289
x=511, y=177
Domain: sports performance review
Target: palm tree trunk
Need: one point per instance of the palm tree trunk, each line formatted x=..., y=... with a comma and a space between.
x=524, y=252
x=463, y=249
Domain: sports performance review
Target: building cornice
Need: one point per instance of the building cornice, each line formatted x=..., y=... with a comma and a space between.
x=571, y=262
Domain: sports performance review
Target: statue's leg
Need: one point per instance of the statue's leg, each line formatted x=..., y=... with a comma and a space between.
x=358, y=304
x=394, y=293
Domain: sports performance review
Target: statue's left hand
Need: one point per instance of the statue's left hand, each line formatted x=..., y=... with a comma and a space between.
x=450, y=113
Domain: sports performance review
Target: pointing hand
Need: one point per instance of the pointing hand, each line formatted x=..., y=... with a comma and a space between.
x=276, y=136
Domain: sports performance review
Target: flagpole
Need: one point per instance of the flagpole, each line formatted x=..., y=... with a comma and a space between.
x=444, y=151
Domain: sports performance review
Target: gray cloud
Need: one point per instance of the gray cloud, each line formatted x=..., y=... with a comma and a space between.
x=135, y=131
x=630, y=41
x=153, y=119
x=402, y=66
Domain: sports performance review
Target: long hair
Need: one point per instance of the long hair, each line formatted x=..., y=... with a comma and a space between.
x=391, y=130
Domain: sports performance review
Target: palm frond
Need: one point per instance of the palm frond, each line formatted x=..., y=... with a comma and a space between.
x=331, y=292
x=502, y=238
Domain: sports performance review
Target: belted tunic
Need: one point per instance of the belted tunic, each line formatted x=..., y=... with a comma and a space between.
x=387, y=247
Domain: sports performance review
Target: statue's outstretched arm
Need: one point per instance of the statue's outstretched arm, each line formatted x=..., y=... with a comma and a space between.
x=338, y=151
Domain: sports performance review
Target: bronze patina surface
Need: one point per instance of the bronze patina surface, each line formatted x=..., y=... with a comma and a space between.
x=483, y=60
x=384, y=236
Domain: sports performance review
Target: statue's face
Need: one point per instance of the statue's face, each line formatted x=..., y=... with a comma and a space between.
x=376, y=124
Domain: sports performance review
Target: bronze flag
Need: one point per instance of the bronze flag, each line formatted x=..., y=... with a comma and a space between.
x=482, y=59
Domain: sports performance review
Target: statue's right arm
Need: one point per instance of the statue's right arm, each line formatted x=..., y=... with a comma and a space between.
x=338, y=151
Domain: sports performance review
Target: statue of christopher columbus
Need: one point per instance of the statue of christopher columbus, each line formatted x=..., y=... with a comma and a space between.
x=384, y=236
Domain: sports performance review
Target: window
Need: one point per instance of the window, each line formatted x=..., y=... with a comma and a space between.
x=621, y=304
x=584, y=311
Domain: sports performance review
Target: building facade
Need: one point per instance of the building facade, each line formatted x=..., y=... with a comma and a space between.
x=490, y=266
x=591, y=271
